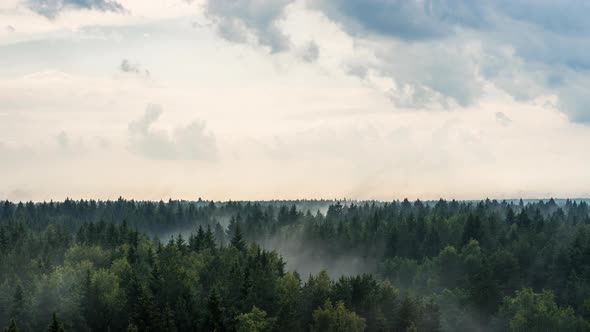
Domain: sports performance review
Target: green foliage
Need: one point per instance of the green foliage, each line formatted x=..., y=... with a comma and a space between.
x=529, y=311
x=336, y=318
x=12, y=327
x=55, y=325
x=254, y=321
x=237, y=240
x=431, y=266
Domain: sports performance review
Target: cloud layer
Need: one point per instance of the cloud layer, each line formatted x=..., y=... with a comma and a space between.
x=302, y=98
x=246, y=20
x=190, y=142
x=52, y=8
x=443, y=53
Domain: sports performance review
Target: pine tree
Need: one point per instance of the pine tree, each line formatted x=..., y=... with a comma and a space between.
x=472, y=230
x=197, y=241
x=137, y=303
x=237, y=241
x=132, y=255
x=56, y=325
x=209, y=241
x=12, y=327
x=87, y=299
x=180, y=243
x=168, y=323
x=3, y=240
x=407, y=314
x=220, y=234
x=214, y=321
x=18, y=303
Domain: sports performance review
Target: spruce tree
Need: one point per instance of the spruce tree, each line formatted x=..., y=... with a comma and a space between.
x=214, y=321
x=88, y=300
x=18, y=303
x=12, y=327
x=209, y=241
x=237, y=241
x=56, y=325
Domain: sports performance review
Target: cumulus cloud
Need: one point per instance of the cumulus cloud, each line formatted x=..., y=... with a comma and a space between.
x=434, y=53
x=247, y=21
x=404, y=19
x=52, y=8
x=127, y=67
x=310, y=51
x=440, y=50
x=190, y=142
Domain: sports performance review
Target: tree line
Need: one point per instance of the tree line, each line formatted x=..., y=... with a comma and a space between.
x=441, y=265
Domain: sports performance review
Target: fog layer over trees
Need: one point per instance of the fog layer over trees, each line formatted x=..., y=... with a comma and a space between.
x=295, y=266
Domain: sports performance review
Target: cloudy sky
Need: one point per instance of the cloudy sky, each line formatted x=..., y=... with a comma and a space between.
x=262, y=99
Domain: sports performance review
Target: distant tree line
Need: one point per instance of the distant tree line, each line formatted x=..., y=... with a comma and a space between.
x=445, y=265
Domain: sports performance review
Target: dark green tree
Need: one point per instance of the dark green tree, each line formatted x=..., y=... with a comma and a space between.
x=214, y=321
x=237, y=240
x=330, y=318
x=56, y=325
x=12, y=327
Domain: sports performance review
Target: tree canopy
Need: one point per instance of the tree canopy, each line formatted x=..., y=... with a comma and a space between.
x=237, y=266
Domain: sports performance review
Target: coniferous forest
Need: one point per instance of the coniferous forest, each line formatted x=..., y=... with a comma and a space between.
x=295, y=266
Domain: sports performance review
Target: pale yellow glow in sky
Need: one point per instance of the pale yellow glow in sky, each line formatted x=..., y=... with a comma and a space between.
x=233, y=121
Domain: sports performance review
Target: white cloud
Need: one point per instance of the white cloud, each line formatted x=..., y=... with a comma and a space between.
x=128, y=67
x=190, y=142
x=52, y=8
x=310, y=51
x=306, y=104
x=240, y=21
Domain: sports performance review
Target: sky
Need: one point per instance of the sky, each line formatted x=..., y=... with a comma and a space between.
x=288, y=99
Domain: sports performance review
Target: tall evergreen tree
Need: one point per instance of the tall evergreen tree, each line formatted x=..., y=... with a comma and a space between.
x=12, y=327
x=56, y=325
x=214, y=320
x=237, y=240
x=18, y=303
x=88, y=299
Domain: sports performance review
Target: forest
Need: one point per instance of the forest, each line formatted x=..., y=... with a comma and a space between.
x=306, y=265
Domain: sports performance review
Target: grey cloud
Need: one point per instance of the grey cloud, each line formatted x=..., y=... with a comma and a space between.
x=529, y=48
x=548, y=14
x=443, y=51
x=429, y=73
x=403, y=19
x=428, y=68
x=574, y=98
x=503, y=119
x=190, y=142
x=237, y=20
x=310, y=52
x=52, y=8
x=128, y=67
x=357, y=68
x=10, y=28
